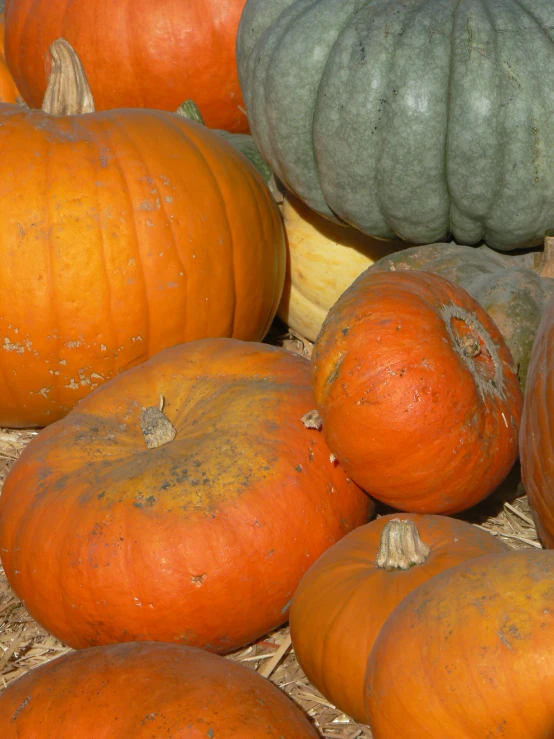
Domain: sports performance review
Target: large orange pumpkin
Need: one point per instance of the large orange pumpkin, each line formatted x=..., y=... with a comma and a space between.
x=8, y=90
x=201, y=540
x=537, y=429
x=146, y=691
x=417, y=392
x=123, y=232
x=346, y=596
x=137, y=53
x=469, y=654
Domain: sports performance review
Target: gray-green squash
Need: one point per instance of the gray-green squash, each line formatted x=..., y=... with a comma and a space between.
x=513, y=289
x=408, y=118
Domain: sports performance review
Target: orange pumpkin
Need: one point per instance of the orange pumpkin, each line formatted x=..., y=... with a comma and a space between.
x=123, y=233
x=537, y=429
x=201, y=540
x=346, y=596
x=146, y=691
x=8, y=90
x=137, y=53
x=417, y=392
x=469, y=654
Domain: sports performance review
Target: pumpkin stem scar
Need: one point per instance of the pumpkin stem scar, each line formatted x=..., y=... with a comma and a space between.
x=400, y=546
x=546, y=266
x=68, y=91
x=471, y=341
x=156, y=427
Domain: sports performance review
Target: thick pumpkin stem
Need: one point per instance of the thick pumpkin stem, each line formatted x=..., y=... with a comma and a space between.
x=68, y=91
x=190, y=110
x=400, y=546
x=156, y=427
x=546, y=266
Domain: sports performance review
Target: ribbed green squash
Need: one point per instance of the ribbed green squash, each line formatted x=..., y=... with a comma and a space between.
x=415, y=118
x=507, y=287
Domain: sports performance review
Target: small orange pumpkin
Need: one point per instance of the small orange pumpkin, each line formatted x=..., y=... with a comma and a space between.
x=417, y=392
x=8, y=90
x=146, y=691
x=123, y=232
x=192, y=526
x=468, y=654
x=346, y=596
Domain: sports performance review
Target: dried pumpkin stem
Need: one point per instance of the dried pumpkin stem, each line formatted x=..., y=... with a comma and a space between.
x=156, y=427
x=546, y=266
x=68, y=91
x=190, y=110
x=400, y=546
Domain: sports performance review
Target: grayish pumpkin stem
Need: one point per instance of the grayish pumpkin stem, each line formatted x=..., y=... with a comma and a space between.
x=190, y=110
x=546, y=266
x=400, y=546
x=156, y=427
x=68, y=91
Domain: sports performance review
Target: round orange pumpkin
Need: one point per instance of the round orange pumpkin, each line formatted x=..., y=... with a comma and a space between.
x=8, y=90
x=146, y=691
x=346, y=596
x=417, y=392
x=469, y=654
x=137, y=53
x=108, y=536
x=537, y=429
x=123, y=233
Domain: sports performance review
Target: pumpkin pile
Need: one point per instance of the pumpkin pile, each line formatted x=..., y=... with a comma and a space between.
x=194, y=487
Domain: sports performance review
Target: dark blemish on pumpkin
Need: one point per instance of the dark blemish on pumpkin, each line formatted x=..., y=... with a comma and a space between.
x=21, y=706
x=198, y=580
x=270, y=553
x=101, y=495
x=148, y=717
x=287, y=606
x=94, y=429
x=335, y=372
x=345, y=331
x=504, y=641
x=210, y=733
x=165, y=485
x=298, y=468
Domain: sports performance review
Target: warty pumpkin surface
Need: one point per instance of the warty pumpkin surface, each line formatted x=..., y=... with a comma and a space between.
x=414, y=119
x=469, y=654
x=346, y=596
x=537, y=429
x=323, y=259
x=137, y=53
x=417, y=392
x=8, y=89
x=146, y=691
x=124, y=232
x=200, y=541
x=508, y=287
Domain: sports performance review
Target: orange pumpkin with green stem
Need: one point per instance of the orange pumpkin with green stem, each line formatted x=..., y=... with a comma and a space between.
x=346, y=596
x=192, y=527
x=417, y=392
x=124, y=232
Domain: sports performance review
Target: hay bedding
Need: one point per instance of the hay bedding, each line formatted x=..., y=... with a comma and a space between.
x=24, y=644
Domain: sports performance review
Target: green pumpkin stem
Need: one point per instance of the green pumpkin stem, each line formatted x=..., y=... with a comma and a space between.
x=190, y=110
x=68, y=91
x=546, y=266
x=400, y=546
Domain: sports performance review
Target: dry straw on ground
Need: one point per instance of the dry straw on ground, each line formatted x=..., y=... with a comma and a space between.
x=24, y=644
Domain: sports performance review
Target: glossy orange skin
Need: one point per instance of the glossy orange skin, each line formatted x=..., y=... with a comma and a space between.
x=123, y=233
x=8, y=90
x=402, y=409
x=136, y=53
x=146, y=691
x=344, y=599
x=469, y=654
x=537, y=429
x=201, y=541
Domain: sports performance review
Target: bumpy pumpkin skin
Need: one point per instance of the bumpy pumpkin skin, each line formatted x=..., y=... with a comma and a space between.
x=145, y=691
x=344, y=599
x=323, y=259
x=124, y=232
x=201, y=541
x=415, y=119
x=507, y=287
x=136, y=53
x=537, y=428
x=469, y=654
x=417, y=392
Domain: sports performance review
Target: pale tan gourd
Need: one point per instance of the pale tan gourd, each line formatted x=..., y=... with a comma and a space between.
x=323, y=260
